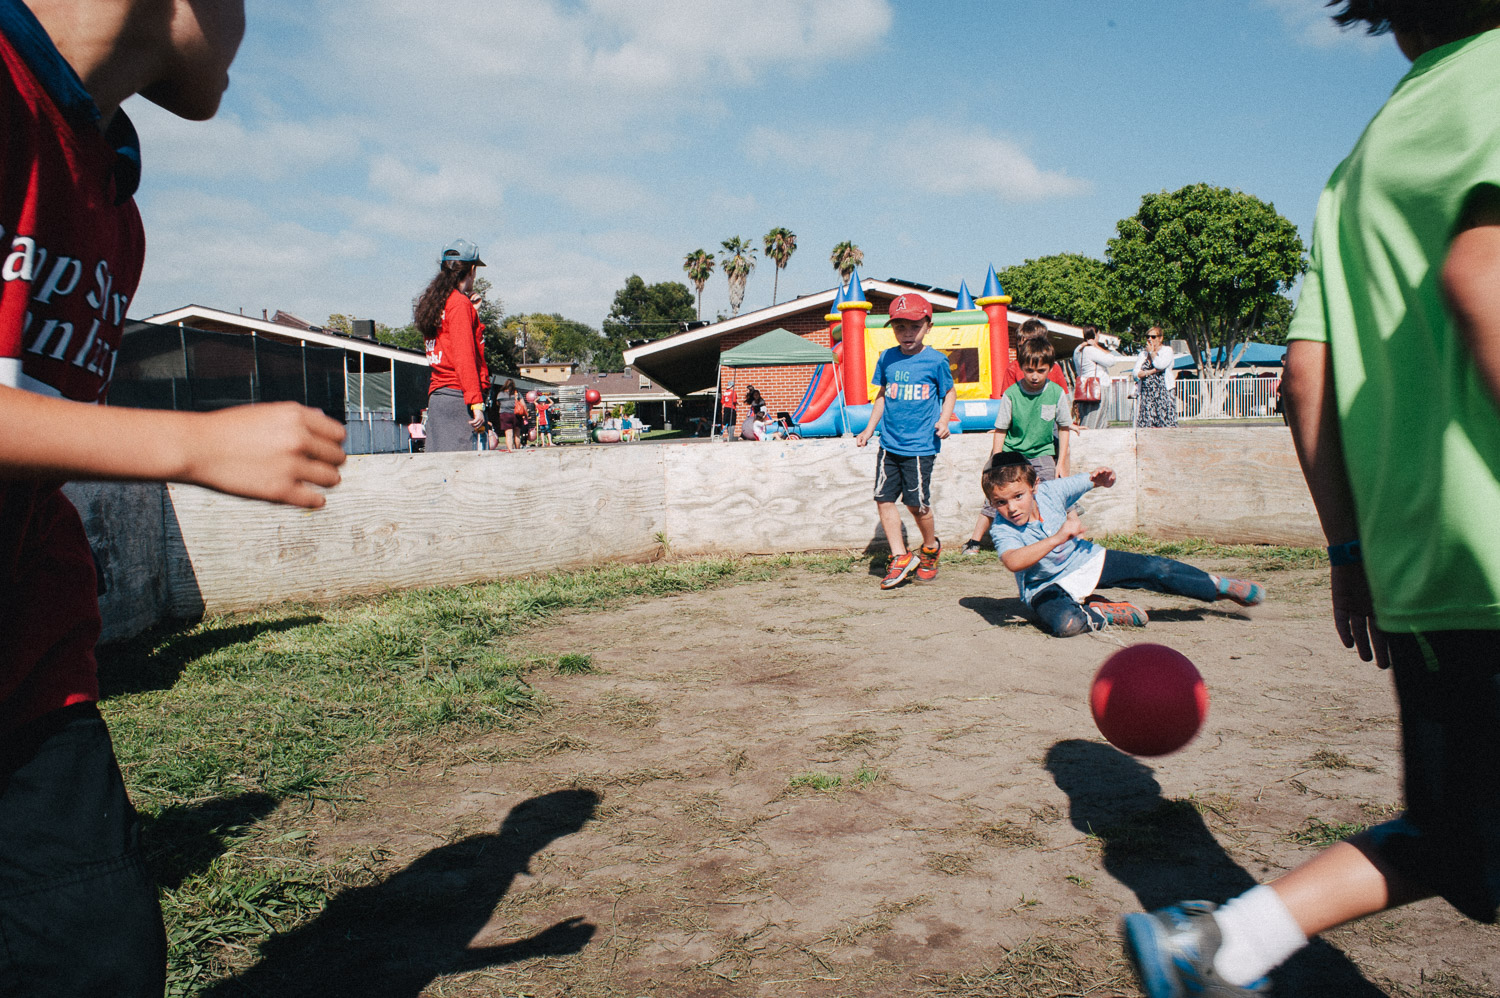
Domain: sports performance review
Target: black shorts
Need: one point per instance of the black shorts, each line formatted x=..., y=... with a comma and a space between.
x=1448, y=841
x=78, y=910
x=904, y=478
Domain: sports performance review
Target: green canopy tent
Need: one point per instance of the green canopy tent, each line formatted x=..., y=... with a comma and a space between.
x=778, y=348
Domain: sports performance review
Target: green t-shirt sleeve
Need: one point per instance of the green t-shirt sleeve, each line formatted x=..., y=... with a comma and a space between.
x=1310, y=320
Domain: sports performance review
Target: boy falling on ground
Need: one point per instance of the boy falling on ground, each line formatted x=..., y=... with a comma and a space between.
x=1040, y=538
x=1405, y=474
x=911, y=413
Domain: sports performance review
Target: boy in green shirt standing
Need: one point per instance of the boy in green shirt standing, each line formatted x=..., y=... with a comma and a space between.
x=1405, y=474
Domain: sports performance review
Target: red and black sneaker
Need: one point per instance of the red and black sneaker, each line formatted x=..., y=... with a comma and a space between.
x=899, y=569
x=927, y=559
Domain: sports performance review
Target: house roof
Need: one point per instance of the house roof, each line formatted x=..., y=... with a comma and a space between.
x=618, y=386
x=689, y=362
x=200, y=316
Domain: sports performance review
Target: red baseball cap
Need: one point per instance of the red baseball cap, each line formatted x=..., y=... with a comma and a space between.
x=910, y=306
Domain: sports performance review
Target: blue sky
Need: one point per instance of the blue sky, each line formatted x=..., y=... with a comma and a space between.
x=581, y=141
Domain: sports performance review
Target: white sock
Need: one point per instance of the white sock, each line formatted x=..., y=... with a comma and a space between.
x=1259, y=933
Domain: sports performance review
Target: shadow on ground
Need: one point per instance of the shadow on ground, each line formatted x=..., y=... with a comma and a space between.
x=182, y=841
x=394, y=938
x=1008, y=612
x=155, y=659
x=1162, y=850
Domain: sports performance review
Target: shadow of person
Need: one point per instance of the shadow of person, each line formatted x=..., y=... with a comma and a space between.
x=154, y=659
x=1006, y=612
x=1162, y=850
x=392, y=939
x=182, y=841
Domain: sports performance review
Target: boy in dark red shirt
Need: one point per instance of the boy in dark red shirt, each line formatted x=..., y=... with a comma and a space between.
x=78, y=913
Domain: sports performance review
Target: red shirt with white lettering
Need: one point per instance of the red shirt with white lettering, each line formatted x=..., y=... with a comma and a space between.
x=456, y=354
x=72, y=250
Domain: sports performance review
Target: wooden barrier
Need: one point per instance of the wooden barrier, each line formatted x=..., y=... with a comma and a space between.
x=1232, y=484
x=401, y=521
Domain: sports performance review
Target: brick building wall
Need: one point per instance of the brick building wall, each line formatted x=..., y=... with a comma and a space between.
x=782, y=387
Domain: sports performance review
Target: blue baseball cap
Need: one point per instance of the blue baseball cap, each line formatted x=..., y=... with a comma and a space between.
x=461, y=251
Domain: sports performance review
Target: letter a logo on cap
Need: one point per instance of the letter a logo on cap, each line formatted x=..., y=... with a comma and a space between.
x=910, y=306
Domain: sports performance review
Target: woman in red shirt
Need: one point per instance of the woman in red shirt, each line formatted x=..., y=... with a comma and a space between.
x=454, y=337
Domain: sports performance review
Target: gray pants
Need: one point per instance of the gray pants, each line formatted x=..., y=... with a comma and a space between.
x=448, y=421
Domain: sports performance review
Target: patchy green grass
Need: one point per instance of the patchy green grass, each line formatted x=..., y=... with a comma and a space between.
x=1262, y=557
x=821, y=782
x=575, y=665
x=1321, y=834
x=220, y=723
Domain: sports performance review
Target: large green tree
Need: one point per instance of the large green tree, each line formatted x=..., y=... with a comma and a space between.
x=780, y=244
x=845, y=257
x=1209, y=263
x=738, y=259
x=642, y=311
x=1067, y=286
x=549, y=336
x=699, y=265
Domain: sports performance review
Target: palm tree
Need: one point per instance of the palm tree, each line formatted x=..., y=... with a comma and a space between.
x=739, y=260
x=845, y=257
x=781, y=243
x=699, y=265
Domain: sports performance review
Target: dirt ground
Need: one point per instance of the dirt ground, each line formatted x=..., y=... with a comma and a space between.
x=669, y=825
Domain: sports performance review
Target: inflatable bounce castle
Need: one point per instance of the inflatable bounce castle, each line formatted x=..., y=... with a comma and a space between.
x=975, y=337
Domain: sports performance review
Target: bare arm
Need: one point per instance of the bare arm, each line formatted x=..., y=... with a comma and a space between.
x=276, y=452
x=949, y=401
x=876, y=409
x=1471, y=282
x=1020, y=559
x=1312, y=414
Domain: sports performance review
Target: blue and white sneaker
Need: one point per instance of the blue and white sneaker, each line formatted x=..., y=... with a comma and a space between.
x=1173, y=952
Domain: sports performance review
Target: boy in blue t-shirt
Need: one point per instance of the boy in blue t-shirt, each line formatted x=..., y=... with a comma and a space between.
x=911, y=413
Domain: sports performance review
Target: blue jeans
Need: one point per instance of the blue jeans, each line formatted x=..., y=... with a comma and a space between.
x=1062, y=615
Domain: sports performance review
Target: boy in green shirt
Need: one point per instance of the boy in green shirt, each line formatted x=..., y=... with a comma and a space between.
x=1405, y=474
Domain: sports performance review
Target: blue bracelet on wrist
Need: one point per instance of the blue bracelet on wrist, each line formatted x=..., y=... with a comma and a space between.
x=1347, y=553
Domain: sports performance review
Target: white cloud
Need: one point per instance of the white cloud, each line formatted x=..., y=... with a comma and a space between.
x=931, y=158
x=361, y=137
x=1310, y=22
x=225, y=146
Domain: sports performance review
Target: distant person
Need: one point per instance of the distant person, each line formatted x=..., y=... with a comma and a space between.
x=544, y=405
x=731, y=408
x=1155, y=407
x=1091, y=366
x=912, y=413
x=1033, y=421
x=454, y=338
x=506, y=400
x=753, y=398
x=78, y=907
x=751, y=428
x=1392, y=393
x=1039, y=537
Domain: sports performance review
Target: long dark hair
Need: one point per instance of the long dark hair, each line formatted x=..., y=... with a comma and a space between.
x=427, y=314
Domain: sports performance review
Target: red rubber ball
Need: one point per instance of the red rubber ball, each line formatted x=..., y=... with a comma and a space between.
x=1148, y=700
x=593, y=396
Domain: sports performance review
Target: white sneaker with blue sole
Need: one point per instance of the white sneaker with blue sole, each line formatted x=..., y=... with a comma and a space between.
x=1173, y=952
